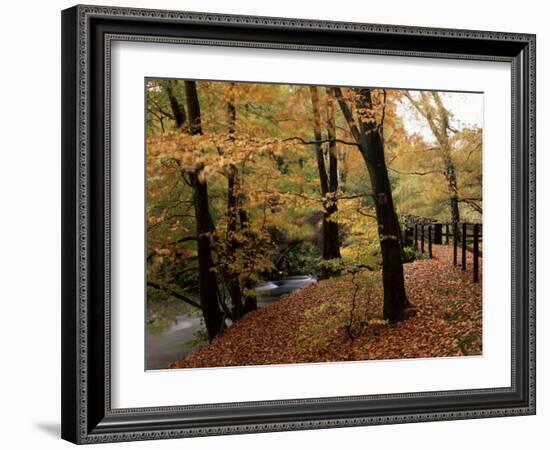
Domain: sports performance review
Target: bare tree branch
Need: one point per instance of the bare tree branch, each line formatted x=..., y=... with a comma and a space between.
x=472, y=203
x=173, y=293
x=363, y=213
x=348, y=115
x=414, y=173
x=321, y=141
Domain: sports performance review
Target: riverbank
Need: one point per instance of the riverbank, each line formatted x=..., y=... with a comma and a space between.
x=175, y=329
x=340, y=319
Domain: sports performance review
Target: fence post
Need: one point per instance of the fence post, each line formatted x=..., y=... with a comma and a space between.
x=422, y=239
x=464, y=238
x=438, y=233
x=430, y=240
x=415, y=236
x=447, y=233
x=476, y=253
x=455, y=245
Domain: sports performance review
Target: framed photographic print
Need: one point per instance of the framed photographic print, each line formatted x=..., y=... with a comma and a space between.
x=281, y=224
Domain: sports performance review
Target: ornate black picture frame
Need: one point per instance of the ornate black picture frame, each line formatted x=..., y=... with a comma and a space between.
x=87, y=34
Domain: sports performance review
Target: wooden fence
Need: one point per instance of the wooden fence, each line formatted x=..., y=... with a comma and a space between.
x=467, y=239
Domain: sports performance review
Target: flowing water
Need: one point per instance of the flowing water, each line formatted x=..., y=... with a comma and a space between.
x=167, y=342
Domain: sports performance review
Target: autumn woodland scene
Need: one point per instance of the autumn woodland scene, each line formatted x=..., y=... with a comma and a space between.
x=299, y=224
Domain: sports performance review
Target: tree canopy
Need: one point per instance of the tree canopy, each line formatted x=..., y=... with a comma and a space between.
x=247, y=180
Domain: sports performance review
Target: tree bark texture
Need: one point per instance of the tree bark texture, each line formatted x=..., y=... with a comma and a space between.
x=235, y=213
x=328, y=179
x=369, y=137
x=208, y=290
x=178, y=110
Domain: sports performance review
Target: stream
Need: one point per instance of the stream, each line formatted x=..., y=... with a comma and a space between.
x=167, y=345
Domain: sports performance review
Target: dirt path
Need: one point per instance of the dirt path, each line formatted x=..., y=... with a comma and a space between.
x=311, y=325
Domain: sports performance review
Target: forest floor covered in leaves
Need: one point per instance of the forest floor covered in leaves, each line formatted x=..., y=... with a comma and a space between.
x=340, y=319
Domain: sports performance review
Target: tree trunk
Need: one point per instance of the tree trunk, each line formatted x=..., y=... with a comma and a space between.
x=231, y=245
x=448, y=163
x=328, y=181
x=395, y=297
x=332, y=235
x=455, y=212
x=250, y=302
x=438, y=121
x=232, y=207
x=177, y=109
x=193, y=107
x=235, y=211
x=369, y=137
x=208, y=291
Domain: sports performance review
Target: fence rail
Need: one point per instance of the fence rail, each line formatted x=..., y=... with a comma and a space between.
x=467, y=237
